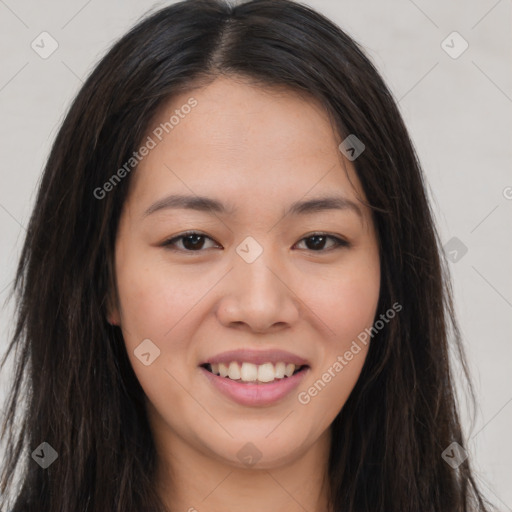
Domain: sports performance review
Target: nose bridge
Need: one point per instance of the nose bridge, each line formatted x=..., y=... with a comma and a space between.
x=253, y=269
x=257, y=295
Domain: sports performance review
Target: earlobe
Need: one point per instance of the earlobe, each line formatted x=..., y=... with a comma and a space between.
x=113, y=318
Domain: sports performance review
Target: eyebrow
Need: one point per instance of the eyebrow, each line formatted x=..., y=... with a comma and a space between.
x=210, y=205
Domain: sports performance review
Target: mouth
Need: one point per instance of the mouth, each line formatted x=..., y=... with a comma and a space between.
x=249, y=373
x=255, y=378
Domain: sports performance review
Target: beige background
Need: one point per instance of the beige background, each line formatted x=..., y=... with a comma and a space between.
x=458, y=111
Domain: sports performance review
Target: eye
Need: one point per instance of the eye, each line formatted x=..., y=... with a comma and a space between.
x=192, y=241
x=317, y=242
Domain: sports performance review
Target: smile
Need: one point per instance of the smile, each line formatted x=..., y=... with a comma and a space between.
x=249, y=372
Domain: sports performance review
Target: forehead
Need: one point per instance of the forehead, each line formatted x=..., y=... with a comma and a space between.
x=241, y=140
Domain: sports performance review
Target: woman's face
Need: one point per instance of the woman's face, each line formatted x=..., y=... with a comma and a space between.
x=276, y=274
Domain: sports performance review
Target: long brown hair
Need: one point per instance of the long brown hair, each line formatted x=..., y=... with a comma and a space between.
x=73, y=385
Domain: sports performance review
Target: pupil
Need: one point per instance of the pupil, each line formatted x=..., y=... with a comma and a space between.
x=317, y=238
x=194, y=244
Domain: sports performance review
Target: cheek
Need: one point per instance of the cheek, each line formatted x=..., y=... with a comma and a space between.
x=159, y=303
x=347, y=303
x=356, y=308
x=153, y=298
x=153, y=306
x=347, y=308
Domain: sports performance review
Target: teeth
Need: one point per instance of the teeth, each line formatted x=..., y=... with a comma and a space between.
x=223, y=370
x=280, y=367
x=266, y=372
x=234, y=371
x=249, y=372
x=288, y=371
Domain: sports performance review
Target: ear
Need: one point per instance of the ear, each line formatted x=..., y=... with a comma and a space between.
x=113, y=316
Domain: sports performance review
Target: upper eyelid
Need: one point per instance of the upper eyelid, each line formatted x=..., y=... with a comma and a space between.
x=171, y=241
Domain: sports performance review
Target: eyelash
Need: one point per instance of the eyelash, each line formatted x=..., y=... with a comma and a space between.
x=339, y=242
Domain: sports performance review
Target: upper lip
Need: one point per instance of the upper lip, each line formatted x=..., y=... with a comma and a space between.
x=256, y=357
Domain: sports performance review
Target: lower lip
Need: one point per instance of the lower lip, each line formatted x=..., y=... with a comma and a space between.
x=255, y=394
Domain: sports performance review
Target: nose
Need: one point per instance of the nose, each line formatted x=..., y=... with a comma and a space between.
x=258, y=296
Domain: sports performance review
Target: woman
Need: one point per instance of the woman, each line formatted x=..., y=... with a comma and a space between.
x=231, y=294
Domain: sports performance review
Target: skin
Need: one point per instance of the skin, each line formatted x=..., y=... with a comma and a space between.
x=259, y=150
